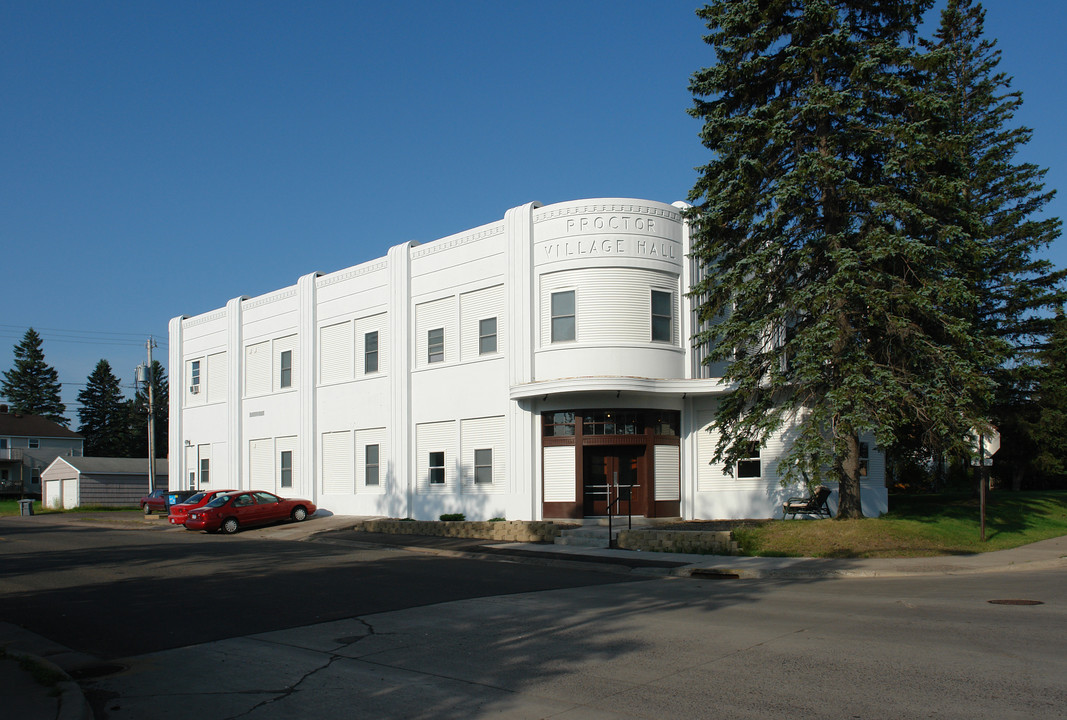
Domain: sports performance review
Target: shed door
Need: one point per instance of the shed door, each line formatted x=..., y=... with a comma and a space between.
x=70, y=493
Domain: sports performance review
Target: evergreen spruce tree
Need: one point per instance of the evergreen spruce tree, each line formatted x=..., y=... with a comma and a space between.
x=829, y=285
x=995, y=203
x=103, y=414
x=1049, y=428
x=32, y=386
x=139, y=415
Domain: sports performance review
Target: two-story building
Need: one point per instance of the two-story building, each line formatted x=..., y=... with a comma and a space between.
x=539, y=366
x=28, y=444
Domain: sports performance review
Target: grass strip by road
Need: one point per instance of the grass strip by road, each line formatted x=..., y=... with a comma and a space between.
x=11, y=507
x=916, y=526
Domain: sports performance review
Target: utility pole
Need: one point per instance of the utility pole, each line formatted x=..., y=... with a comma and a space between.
x=151, y=419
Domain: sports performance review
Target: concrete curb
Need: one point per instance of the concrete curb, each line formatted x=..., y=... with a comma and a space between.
x=72, y=702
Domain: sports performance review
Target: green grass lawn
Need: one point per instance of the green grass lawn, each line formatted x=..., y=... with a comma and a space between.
x=11, y=507
x=917, y=526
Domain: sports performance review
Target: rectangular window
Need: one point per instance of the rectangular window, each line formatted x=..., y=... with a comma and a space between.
x=436, y=345
x=370, y=352
x=286, y=379
x=372, y=465
x=205, y=471
x=563, y=316
x=3, y=443
x=437, y=468
x=749, y=467
x=487, y=336
x=287, y=469
x=865, y=454
x=194, y=377
x=662, y=316
x=34, y=443
x=483, y=467
x=35, y=476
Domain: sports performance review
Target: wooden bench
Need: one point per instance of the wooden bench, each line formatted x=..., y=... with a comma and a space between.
x=815, y=504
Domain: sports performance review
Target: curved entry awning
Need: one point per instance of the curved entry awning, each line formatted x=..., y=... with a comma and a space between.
x=650, y=386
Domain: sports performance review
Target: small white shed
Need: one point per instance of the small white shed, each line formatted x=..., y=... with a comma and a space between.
x=70, y=482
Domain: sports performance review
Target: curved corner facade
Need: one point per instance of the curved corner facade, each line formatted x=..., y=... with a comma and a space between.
x=535, y=367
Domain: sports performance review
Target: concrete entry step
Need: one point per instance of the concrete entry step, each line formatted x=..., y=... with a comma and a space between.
x=588, y=536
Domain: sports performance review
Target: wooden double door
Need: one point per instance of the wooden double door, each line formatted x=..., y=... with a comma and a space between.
x=611, y=472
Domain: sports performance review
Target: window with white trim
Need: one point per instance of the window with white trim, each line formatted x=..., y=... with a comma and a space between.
x=662, y=316
x=483, y=467
x=286, y=366
x=194, y=377
x=370, y=352
x=437, y=468
x=205, y=471
x=749, y=466
x=865, y=455
x=372, y=465
x=286, y=469
x=487, y=336
x=34, y=443
x=435, y=345
x=563, y=321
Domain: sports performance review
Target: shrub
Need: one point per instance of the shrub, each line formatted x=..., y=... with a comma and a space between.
x=453, y=516
x=496, y=519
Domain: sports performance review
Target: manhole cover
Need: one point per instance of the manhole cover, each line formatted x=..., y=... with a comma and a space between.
x=1017, y=602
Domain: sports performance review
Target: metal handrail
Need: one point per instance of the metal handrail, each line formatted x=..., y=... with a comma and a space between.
x=612, y=503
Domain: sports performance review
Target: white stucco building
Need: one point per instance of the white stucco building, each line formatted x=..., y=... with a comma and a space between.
x=511, y=370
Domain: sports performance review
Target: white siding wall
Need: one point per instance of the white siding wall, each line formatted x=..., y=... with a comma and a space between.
x=335, y=353
x=375, y=323
x=372, y=436
x=432, y=315
x=257, y=369
x=668, y=472
x=217, y=374
x=435, y=437
x=286, y=344
x=261, y=464
x=484, y=434
x=559, y=474
x=612, y=305
x=337, y=466
x=474, y=307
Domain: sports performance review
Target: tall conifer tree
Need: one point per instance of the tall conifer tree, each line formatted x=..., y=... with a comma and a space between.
x=103, y=414
x=32, y=386
x=828, y=286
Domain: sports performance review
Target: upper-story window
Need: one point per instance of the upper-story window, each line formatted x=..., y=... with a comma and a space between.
x=662, y=316
x=34, y=443
x=487, y=336
x=286, y=366
x=865, y=456
x=370, y=352
x=194, y=377
x=435, y=351
x=563, y=316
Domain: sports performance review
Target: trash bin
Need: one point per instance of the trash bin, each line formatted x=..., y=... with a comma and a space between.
x=25, y=507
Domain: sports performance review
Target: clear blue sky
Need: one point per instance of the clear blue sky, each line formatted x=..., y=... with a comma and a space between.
x=160, y=158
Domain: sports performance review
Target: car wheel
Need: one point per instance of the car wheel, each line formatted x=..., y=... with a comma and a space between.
x=299, y=513
x=146, y=509
x=230, y=526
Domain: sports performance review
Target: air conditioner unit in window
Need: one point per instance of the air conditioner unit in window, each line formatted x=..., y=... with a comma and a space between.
x=194, y=389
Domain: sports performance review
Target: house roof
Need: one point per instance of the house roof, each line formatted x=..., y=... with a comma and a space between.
x=113, y=466
x=18, y=425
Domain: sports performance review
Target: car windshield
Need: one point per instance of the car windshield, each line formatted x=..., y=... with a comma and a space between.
x=194, y=498
x=218, y=501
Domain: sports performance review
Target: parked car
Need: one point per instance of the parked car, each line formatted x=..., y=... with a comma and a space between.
x=233, y=511
x=180, y=511
x=161, y=500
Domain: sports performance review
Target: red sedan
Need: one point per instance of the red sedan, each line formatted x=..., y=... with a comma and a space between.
x=232, y=511
x=179, y=512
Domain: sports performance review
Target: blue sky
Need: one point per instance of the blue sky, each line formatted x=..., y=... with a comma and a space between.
x=160, y=158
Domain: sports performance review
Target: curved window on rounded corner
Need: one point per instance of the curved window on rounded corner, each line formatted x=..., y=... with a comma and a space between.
x=563, y=324
x=662, y=317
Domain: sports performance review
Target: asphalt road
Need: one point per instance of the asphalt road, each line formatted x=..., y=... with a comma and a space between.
x=115, y=592
x=279, y=629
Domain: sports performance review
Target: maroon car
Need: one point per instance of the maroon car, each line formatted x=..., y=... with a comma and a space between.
x=179, y=512
x=161, y=500
x=232, y=511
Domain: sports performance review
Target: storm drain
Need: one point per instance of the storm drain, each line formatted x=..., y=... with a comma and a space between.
x=1016, y=602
